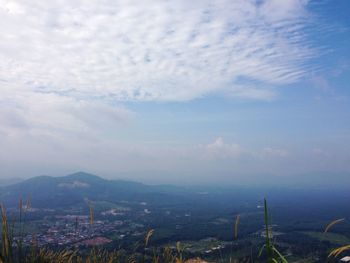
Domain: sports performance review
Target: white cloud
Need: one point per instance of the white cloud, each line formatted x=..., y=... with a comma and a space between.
x=25, y=154
x=66, y=67
x=48, y=114
x=274, y=152
x=221, y=150
x=65, y=64
x=152, y=50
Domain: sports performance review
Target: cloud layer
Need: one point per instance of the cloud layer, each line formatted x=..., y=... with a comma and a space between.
x=153, y=50
x=68, y=68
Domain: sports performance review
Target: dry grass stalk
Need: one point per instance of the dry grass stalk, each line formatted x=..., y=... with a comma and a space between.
x=148, y=236
x=236, y=226
x=334, y=222
x=336, y=252
x=91, y=212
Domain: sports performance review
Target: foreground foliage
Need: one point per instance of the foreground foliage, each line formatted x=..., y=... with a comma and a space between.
x=13, y=251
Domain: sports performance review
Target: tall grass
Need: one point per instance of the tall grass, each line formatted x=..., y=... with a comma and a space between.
x=331, y=224
x=91, y=214
x=236, y=226
x=16, y=254
x=272, y=253
x=34, y=254
x=6, y=238
x=337, y=251
x=21, y=226
x=147, y=239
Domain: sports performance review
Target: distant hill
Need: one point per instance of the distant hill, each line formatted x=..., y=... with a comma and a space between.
x=9, y=181
x=47, y=191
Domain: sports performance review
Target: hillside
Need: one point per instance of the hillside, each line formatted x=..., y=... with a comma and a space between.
x=73, y=189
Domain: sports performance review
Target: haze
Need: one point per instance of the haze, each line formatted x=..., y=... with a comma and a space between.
x=176, y=91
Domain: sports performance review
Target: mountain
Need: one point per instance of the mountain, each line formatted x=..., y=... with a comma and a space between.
x=73, y=189
x=9, y=181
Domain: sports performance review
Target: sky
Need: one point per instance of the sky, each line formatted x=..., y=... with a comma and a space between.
x=225, y=91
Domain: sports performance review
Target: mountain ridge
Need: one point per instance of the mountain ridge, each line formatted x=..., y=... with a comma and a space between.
x=74, y=188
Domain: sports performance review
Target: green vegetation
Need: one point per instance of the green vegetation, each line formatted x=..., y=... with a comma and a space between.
x=13, y=250
x=331, y=237
x=272, y=254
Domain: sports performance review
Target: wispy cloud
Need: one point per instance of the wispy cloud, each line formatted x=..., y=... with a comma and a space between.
x=219, y=149
x=68, y=67
x=48, y=114
x=273, y=152
x=153, y=50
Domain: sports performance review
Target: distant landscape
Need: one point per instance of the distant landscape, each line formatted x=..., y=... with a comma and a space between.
x=201, y=218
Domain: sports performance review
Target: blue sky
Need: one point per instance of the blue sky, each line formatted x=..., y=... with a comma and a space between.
x=176, y=91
